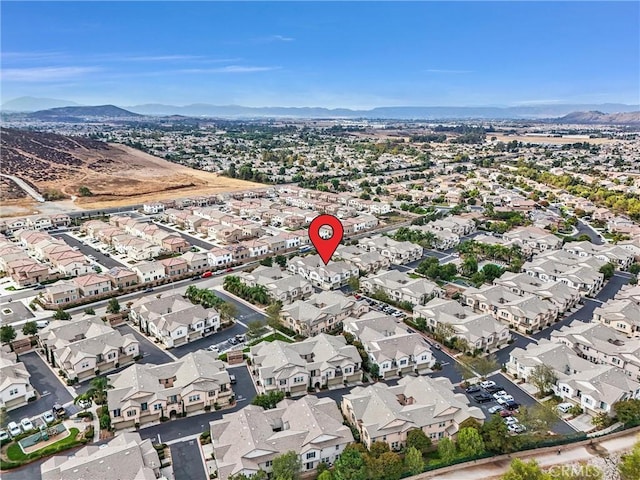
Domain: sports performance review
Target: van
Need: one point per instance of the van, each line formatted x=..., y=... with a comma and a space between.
x=564, y=407
x=42, y=323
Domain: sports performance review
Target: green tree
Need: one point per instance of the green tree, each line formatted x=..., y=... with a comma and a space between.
x=273, y=314
x=350, y=465
x=281, y=260
x=520, y=470
x=469, y=265
x=538, y=418
x=496, y=436
x=3, y=417
x=354, y=283
x=485, y=365
x=417, y=439
x=268, y=400
x=7, y=334
x=378, y=448
x=627, y=411
x=470, y=442
x=60, y=314
x=113, y=306
x=491, y=272
x=227, y=311
x=390, y=466
x=413, y=461
x=326, y=475
x=634, y=268
x=30, y=328
x=543, y=377
x=267, y=262
x=607, y=270
x=89, y=311
x=84, y=192
x=446, y=450
x=287, y=466
x=255, y=329
x=629, y=466
x=97, y=391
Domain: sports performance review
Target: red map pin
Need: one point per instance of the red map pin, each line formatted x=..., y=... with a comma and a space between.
x=326, y=247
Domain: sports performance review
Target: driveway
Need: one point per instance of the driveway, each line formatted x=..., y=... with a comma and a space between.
x=186, y=460
x=244, y=312
x=189, y=238
x=204, y=342
x=47, y=384
x=150, y=352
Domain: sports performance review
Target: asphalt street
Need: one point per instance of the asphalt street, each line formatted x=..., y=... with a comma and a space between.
x=189, y=238
x=101, y=258
x=46, y=383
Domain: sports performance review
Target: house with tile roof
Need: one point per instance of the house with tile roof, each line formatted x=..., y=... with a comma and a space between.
x=144, y=393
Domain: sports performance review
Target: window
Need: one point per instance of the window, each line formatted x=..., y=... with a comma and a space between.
x=84, y=365
x=144, y=406
x=403, y=361
x=311, y=455
x=298, y=380
x=212, y=393
x=157, y=406
x=268, y=381
x=268, y=463
x=395, y=445
x=131, y=413
x=13, y=391
x=337, y=447
x=116, y=412
x=423, y=357
x=194, y=398
x=283, y=381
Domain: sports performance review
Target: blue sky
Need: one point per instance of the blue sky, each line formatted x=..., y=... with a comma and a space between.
x=357, y=55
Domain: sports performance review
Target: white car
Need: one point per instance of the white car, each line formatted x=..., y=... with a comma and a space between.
x=26, y=424
x=4, y=435
x=213, y=348
x=14, y=429
x=488, y=384
x=84, y=403
x=48, y=417
x=511, y=420
x=495, y=409
x=516, y=428
x=499, y=394
x=505, y=399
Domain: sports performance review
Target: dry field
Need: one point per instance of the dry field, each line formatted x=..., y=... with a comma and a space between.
x=552, y=140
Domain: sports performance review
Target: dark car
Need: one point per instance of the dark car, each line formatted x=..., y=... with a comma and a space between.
x=494, y=388
x=39, y=287
x=58, y=410
x=148, y=290
x=473, y=389
x=507, y=413
x=482, y=398
x=510, y=405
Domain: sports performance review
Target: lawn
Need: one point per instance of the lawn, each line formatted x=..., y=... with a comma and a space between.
x=15, y=453
x=269, y=338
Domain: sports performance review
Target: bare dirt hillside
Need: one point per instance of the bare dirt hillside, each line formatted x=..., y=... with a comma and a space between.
x=58, y=166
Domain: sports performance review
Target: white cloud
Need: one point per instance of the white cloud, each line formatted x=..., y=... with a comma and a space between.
x=44, y=74
x=282, y=38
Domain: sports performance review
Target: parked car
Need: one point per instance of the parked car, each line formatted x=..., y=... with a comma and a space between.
x=511, y=405
x=42, y=323
x=213, y=348
x=4, y=435
x=232, y=378
x=85, y=403
x=505, y=412
x=207, y=274
x=148, y=290
x=482, y=398
x=233, y=341
x=39, y=287
x=473, y=389
x=48, y=417
x=504, y=399
x=499, y=394
x=14, y=429
x=58, y=410
x=517, y=428
x=228, y=270
x=240, y=338
x=495, y=409
x=510, y=420
x=26, y=424
x=487, y=383
x=494, y=388
x=564, y=407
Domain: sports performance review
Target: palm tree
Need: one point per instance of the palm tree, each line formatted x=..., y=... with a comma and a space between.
x=97, y=390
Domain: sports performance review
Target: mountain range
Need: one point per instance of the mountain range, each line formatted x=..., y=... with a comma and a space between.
x=30, y=104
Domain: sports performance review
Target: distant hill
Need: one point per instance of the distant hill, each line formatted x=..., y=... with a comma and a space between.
x=33, y=104
x=79, y=113
x=597, y=117
x=426, y=113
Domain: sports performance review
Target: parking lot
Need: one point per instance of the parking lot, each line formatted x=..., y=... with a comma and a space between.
x=150, y=352
x=186, y=460
x=220, y=339
x=88, y=249
x=519, y=396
